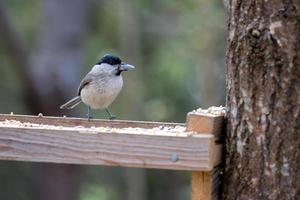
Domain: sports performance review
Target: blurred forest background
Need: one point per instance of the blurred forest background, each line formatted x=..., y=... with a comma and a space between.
x=47, y=46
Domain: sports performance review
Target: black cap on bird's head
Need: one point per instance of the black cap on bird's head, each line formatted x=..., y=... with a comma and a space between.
x=109, y=59
x=115, y=61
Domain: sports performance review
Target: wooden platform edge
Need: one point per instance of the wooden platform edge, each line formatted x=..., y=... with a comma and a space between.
x=111, y=149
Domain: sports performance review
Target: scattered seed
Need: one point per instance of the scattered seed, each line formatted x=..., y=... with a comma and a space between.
x=160, y=130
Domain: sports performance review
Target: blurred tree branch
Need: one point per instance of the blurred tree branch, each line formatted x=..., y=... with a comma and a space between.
x=55, y=70
x=49, y=76
x=57, y=63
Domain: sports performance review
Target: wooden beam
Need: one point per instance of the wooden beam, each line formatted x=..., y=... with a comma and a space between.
x=204, y=184
x=67, y=143
x=202, y=123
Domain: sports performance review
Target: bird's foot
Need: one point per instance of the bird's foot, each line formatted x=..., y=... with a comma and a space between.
x=112, y=117
x=89, y=117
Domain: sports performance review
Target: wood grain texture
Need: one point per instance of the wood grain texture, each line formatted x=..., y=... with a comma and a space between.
x=205, y=124
x=263, y=100
x=112, y=149
x=200, y=184
x=205, y=185
x=70, y=122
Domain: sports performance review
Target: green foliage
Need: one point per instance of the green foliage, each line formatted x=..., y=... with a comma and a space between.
x=26, y=16
x=10, y=87
x=95, y=192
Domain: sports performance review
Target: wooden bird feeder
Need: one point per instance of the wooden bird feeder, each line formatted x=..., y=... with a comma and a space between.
x=195, y=146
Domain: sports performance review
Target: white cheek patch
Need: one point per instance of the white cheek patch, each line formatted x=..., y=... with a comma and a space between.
x=103, y=69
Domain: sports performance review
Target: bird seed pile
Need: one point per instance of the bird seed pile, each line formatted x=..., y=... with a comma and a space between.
x=175, y=130
x=160, y=130
x=211, y=111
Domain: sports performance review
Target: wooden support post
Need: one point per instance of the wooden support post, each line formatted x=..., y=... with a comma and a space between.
x=200, y=184
x=204, y=185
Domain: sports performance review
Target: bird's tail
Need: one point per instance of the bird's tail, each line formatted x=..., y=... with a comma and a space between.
x=72, y=103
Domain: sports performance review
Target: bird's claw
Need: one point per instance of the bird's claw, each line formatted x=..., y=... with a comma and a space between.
x=112, y=117
x=88, y=115
x=89, y=118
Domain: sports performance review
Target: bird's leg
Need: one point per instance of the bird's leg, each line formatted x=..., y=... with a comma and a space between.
x=110, y=115
x=89, y=113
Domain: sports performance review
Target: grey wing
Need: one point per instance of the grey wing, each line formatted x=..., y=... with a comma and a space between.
x=85, y=81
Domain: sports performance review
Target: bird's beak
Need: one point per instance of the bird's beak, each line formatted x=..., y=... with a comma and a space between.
x=126, y=67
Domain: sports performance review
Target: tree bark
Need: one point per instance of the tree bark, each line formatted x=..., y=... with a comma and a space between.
x=263, y=97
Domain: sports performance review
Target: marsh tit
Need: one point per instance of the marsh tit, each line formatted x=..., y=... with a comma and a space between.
x=100, y=87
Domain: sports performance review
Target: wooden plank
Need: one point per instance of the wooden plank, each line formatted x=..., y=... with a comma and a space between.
x=205, y=124
x=185, y=152
x=204, y=184
x=70, y=122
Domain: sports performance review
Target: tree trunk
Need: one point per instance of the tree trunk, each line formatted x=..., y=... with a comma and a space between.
x=263, y=97
x=49, y=78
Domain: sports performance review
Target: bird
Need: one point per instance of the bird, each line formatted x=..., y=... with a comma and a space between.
x=101, y=86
